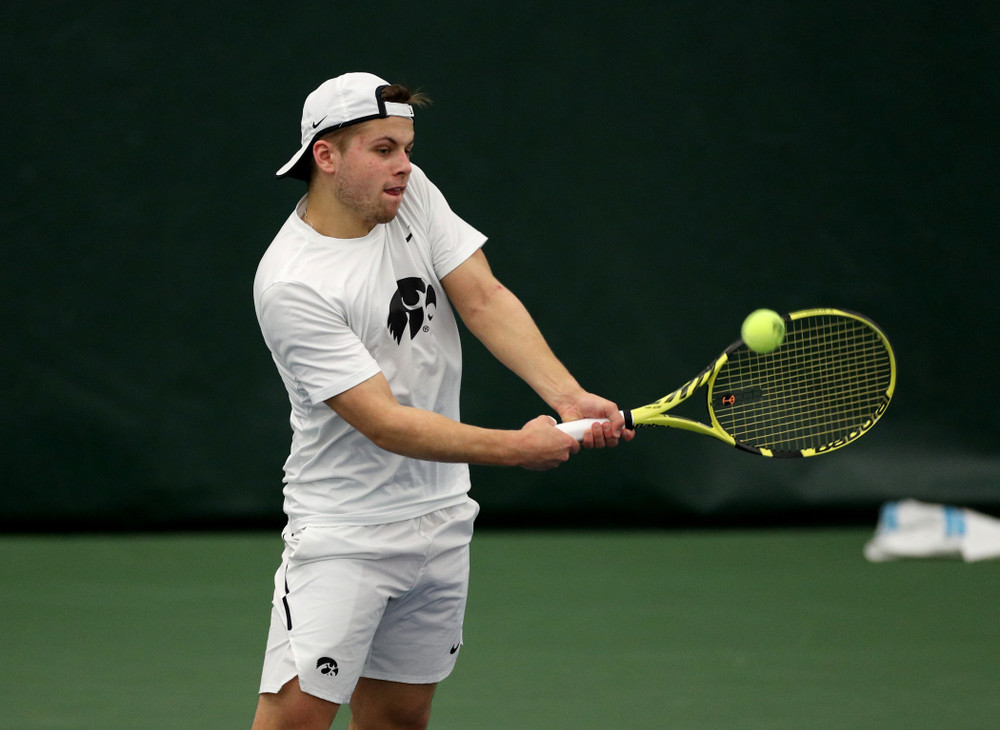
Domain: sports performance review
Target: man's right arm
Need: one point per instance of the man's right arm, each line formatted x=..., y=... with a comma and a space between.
x=372, y=409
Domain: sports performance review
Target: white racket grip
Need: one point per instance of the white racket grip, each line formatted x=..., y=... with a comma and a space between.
x=577, y=429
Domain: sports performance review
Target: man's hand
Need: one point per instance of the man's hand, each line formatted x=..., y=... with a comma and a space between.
x=543, y=446
x=588, y=405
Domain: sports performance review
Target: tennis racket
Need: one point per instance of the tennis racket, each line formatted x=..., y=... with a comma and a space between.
x=826, y=385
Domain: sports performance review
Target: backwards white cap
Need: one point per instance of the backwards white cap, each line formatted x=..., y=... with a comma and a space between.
x=348, y=99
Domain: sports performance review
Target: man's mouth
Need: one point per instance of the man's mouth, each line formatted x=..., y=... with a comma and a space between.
x=395, y=191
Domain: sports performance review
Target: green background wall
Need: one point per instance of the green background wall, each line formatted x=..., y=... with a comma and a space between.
x=648, y=172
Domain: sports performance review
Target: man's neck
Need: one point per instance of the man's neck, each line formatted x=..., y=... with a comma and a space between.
x=327, y=216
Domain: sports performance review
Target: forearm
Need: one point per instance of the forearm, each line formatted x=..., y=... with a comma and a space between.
x=503, y=324
x=430, y=436
x=371, y=408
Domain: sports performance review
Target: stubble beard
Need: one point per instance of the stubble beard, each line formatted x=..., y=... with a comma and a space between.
x=372, y=210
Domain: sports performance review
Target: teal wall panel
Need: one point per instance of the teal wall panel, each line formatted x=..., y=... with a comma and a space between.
x=647, y=173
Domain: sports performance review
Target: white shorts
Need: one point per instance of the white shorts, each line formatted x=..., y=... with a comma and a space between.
x=378, y=601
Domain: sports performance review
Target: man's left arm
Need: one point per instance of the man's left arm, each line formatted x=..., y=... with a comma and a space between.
x=503, y=324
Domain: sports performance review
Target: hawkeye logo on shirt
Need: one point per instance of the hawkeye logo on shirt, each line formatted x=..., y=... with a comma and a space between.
x=412, y=308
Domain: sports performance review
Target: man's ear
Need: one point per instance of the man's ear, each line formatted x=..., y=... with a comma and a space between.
x=326, y=156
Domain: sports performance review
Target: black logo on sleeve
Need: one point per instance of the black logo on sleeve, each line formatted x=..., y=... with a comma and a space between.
x=413, y=306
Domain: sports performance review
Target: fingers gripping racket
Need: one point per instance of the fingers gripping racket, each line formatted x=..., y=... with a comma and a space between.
x=827, y=384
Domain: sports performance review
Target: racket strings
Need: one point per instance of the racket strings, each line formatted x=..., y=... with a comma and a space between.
x=826, y=381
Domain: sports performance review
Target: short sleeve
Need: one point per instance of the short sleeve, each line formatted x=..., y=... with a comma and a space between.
x=311, y=339
x=451, y=240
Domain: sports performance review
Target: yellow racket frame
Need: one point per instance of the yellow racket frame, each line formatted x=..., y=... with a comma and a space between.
x=655, y=414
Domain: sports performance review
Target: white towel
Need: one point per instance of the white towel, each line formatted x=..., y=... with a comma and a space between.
x=912, y=529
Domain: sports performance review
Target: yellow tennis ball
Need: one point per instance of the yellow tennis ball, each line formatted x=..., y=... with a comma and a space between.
x=763, y=330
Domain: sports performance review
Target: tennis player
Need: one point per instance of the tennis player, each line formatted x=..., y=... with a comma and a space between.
x=355, y=300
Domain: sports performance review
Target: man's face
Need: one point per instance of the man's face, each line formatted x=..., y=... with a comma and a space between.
x=374, y=170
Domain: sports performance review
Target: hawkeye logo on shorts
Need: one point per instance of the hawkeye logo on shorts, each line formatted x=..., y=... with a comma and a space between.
x=327, y=666
x=412, y=308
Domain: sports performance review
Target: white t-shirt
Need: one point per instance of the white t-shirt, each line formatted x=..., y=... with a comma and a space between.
x=334, y=313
